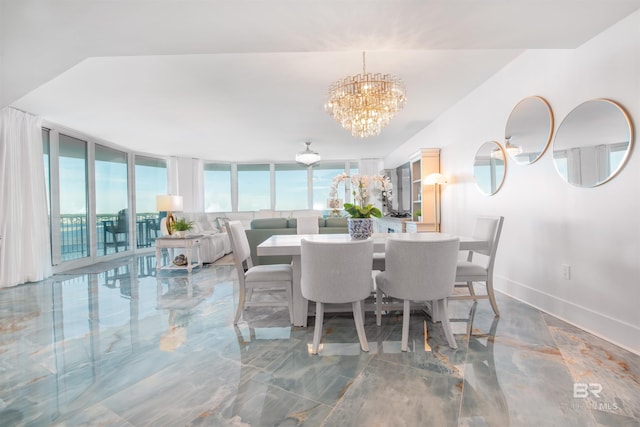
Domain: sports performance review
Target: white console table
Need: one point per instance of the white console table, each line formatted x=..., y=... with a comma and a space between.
x=188, y=243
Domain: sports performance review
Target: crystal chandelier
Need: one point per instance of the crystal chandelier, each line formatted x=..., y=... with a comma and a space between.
x=365, y=103
x=308, y=156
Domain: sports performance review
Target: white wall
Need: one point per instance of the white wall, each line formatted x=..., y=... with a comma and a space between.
x=547, y=221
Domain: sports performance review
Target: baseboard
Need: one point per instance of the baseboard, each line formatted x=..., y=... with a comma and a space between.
x=608, y=328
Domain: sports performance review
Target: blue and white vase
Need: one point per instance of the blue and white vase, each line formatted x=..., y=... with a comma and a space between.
x=360, y=228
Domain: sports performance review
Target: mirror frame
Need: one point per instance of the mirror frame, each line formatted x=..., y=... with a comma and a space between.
x=497, y=145
x=627, y=154
x=546, y=145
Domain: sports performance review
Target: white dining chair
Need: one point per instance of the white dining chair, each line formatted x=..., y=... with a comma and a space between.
x=272, y=277
x=337, y=272
x=307, y=225
x=419, y=271
x=473, y=270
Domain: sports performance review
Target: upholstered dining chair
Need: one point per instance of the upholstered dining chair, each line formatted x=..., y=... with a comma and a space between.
x=307, y=225
x=337, y=272
x=273, y=277
x=419, y=271
x=473, y=270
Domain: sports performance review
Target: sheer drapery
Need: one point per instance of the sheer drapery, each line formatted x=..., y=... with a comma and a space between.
x=25, y=251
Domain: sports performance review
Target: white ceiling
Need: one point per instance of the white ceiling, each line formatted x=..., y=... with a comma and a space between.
x=246, y=80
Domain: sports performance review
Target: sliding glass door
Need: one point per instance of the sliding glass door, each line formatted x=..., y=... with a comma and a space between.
x=150, y=180
x=112, y=201
x=72, y=166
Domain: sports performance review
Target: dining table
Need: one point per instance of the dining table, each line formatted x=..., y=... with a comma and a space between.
x=289, y=244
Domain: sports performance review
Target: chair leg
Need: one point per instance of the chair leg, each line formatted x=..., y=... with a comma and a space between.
x=492, y=297
x=317, y=330
x=241, y=297
x=357, y=317
x=406, y=313
x=471, y=291
x=378, y=307
x=446, y=325
x=290, y=301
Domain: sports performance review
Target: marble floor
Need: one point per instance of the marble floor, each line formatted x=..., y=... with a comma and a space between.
x=118, y=345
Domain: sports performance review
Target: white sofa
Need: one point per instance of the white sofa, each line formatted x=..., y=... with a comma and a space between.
x=215, y=243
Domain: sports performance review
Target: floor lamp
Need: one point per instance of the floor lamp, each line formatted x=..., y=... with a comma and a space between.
x=169, y=203
x=436, y=179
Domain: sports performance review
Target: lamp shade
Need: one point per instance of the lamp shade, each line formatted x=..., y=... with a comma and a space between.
x=168, y=203
x=435, y=178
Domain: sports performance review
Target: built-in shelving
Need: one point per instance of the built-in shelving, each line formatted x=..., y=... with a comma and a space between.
x=423, y=163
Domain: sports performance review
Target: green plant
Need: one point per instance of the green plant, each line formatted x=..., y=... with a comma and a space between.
x=362, y=211
x=182, y=225
x=418, y=212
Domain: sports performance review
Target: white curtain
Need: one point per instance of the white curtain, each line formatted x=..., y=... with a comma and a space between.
x=25, y=251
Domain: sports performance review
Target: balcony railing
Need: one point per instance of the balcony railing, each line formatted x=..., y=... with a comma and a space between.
x=74, y=234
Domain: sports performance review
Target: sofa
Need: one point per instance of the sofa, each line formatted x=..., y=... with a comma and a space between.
x=215, y=243
x=263, y=228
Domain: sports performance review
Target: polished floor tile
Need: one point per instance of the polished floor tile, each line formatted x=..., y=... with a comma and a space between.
x=117, y=344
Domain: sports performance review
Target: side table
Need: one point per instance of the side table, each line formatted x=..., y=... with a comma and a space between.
x=188, y=243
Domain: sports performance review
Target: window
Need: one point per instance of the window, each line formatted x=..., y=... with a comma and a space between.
x=112, y=196
x=254, y=187
x=217, y=188
x=291, y=187
x=73, y=198
x=323, y=175
x=151, y=180
x=46, y=150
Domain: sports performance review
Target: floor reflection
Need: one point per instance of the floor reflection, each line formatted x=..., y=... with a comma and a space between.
x=119, y=344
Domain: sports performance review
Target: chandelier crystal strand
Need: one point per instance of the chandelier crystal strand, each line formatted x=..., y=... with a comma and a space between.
x=365, y=103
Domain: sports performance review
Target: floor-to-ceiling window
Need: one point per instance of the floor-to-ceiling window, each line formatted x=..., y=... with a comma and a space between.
x=46, y=151
x=74, y=240
x=217, y=187
x=291, y=187
x=323, y=175
x=254, y=187
x=112, y=201
x=150, y=181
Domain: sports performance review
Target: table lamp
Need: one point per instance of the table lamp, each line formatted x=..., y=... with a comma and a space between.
x=169, y=203
x=436, y=179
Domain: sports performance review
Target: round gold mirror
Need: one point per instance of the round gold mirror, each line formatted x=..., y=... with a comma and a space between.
x=528, y=131
x=489, y=168
x=592, y=143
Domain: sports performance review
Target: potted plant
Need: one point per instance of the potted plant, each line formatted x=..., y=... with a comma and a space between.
x=418, y=215
x=181, y=225
x=361, y=212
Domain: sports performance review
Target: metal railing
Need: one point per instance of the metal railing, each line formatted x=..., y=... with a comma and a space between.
x=74, y=235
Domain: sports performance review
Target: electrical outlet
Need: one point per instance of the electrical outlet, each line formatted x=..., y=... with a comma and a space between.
x=566, y=272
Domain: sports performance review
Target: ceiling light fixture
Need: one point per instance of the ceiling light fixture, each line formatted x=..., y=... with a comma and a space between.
x=308, y=156
x=365, y=103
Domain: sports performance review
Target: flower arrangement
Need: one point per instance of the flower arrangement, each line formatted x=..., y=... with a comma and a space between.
x=361, y=186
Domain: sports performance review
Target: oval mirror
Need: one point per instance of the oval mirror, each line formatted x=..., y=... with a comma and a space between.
x=528, y=131
x=592, y=143
x=489, y=168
